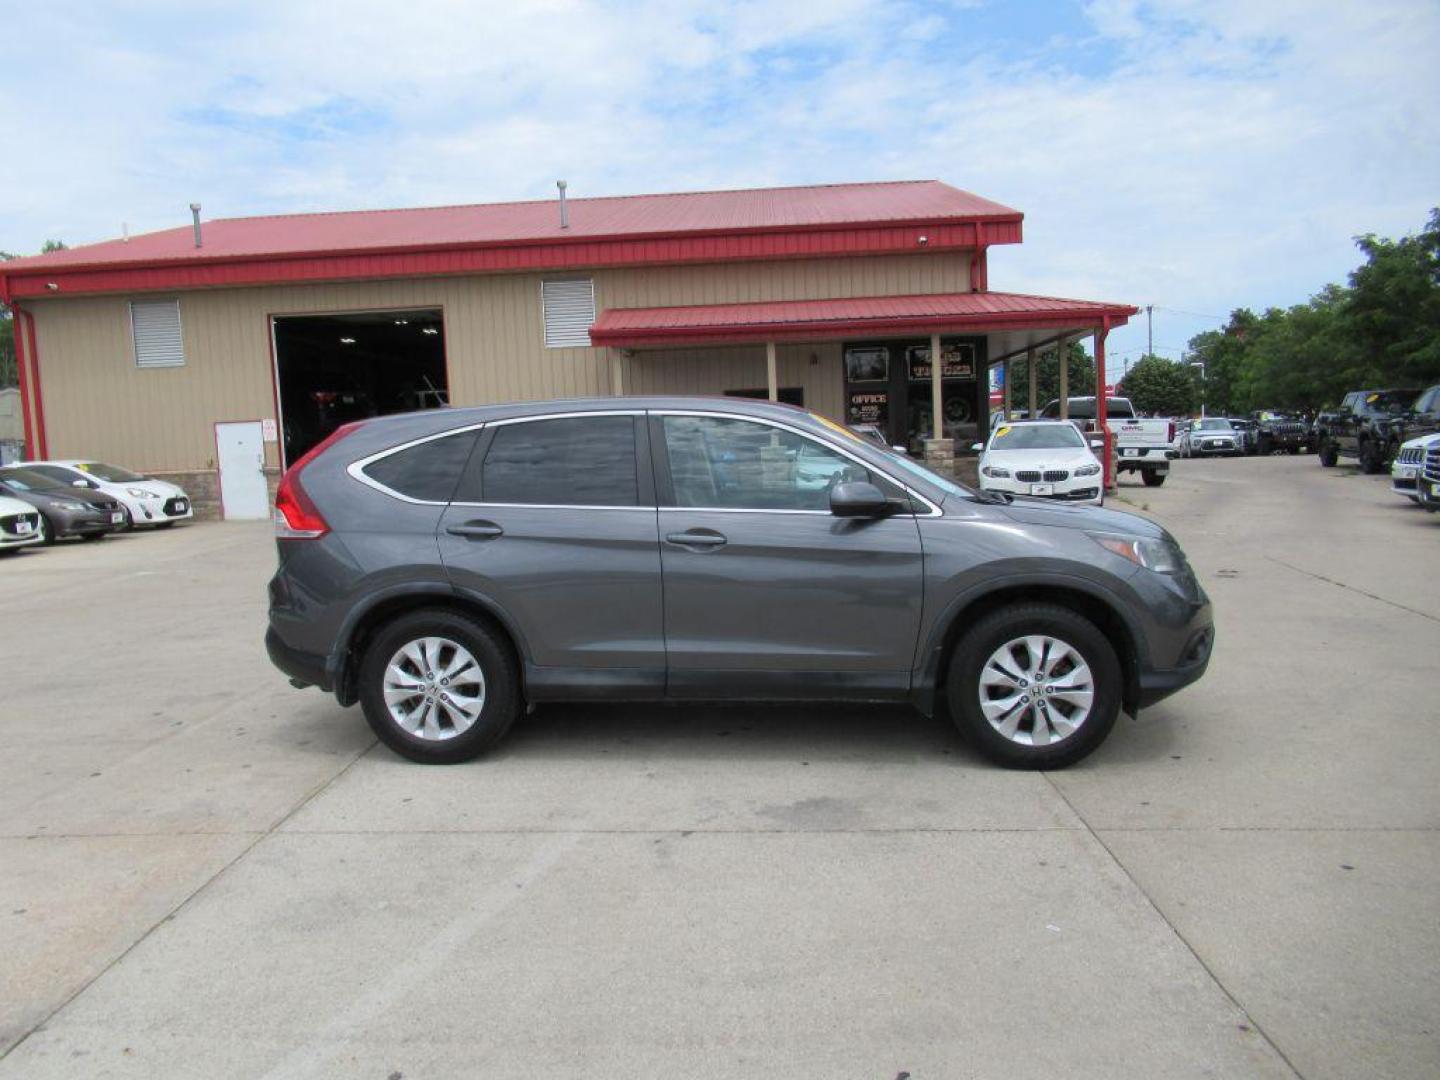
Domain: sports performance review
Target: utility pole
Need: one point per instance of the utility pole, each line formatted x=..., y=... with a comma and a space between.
x=1149, y=329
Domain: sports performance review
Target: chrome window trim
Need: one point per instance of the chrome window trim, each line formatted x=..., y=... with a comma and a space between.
x=934, y=510
x=356, y=469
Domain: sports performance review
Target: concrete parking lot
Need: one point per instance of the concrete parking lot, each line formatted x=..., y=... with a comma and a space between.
x=204, y=872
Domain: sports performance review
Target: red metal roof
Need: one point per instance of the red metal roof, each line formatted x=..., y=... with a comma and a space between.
x=623, y=217
x=797, y=320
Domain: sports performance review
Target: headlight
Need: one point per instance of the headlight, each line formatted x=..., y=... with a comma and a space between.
x=141, y=493
x=1161, y=556
x=1087, y=470
x=72, y=507
x=995, y=472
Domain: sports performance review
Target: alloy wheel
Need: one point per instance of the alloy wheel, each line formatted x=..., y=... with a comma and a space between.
x=1036, y=690
x=434, y=688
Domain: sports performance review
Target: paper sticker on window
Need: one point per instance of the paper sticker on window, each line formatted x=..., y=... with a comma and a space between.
x=1003, y=432
x=838, y=427
x=1371, y=399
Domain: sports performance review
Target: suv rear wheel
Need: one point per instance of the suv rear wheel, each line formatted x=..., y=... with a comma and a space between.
x=1329, y=455
x=1034, y=686
x=1371, y=460
x=438, y=687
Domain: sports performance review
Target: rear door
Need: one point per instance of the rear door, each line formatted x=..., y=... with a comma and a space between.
x=765, y=590
x=554, y=524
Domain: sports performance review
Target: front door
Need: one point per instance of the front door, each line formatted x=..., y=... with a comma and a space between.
x=763, y=587
x=240, y=455
x=554, y=522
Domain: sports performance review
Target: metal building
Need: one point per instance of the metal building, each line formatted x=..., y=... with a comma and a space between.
x=215, y=353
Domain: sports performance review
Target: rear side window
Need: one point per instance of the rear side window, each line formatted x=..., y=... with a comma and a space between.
x=568, y=461
x=427, y=471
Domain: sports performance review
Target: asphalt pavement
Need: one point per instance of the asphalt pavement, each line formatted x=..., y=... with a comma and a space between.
x=204, y=872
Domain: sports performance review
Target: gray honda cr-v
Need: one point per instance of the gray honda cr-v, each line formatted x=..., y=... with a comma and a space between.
x=446, y=568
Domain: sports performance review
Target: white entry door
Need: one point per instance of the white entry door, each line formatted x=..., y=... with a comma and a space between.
x=243, y=493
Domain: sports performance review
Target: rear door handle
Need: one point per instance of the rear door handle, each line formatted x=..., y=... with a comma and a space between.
x=696, y=539
x=476, y=530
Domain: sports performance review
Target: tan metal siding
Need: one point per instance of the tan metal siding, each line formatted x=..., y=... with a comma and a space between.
x=98, y=403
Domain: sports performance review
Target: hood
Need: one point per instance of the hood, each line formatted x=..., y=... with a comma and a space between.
x=163, y=488
x=10, y=505
x=1068, y=516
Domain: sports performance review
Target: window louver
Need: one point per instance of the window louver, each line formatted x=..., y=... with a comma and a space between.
x=155, y=325
x=569, y=309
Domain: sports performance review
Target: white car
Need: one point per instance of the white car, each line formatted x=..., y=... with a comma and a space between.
x=1048, y=459
x=19, y=524
x=1405, y=469
x=145, y=501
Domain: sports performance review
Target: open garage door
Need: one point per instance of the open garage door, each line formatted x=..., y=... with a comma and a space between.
x=332, y=369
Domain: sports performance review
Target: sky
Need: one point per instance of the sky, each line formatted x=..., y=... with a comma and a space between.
x=1195, y=156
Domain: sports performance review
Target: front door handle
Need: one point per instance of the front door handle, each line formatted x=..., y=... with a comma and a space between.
x=707, y=539
x=476, y=530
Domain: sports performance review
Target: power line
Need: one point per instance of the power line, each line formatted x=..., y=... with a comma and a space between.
x=1193, y=314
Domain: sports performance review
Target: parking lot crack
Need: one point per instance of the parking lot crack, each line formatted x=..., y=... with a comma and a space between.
x=1180, y=937
x=1352, y=588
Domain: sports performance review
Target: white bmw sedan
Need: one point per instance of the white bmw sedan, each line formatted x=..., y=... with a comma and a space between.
x=1048, y=459
x=145, y=501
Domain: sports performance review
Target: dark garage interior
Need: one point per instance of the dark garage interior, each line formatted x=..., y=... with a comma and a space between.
x=336, y=368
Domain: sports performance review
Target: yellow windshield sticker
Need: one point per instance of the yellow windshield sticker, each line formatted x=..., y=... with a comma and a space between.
x=840, y=428
x=83, y=468
x=1003, y=432
x=1372, y=399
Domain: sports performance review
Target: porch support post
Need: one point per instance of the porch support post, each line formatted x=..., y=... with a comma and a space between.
x=1005, y=387
x=617, y=373
x=1030, y=359
x=772, y=377
x=1102, y=406
x=1062, y=353
x=937, y=390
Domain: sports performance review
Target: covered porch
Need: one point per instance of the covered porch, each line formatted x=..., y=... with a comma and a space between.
x=865, y=360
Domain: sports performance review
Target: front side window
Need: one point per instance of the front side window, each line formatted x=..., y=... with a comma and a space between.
x=567, y=461
x=55, y=475
x=742, y=465
x=427, y=471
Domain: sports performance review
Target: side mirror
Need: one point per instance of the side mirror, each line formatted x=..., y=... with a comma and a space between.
x=900, y=449
x=977, y=447
x=1097, y=444
x=87, y=484
x=858, y=498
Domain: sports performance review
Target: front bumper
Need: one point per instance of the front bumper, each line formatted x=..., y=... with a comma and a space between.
x=1157, y=685
x=1403, y=480
x=1217, y=448
x=1082, y=491
x=158, y=511
x=12, y=537
x=83, y=522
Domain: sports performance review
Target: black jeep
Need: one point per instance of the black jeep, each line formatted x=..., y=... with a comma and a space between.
x=1279, y=432
x=1369, y=426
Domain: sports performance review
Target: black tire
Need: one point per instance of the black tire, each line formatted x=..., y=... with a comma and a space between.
x=1292, y=450
x=1152, y=477
x=1264, y=447
x=47, y=532
x=1371, y=461
x=1006, y=624
x=497, y=664
x=93, y=536
x=1329, y=455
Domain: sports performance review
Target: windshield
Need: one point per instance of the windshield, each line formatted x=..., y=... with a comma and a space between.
x=111, y=474
x=1036, y=437
x=1390, y=400
x=28, y=480
x=1213, y=425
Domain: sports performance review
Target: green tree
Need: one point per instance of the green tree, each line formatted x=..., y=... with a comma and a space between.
x=9, y=370
x=1047, y=376
x=1393, y=308
x=1156, y=385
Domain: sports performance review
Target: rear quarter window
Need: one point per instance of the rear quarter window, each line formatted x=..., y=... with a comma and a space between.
x=427, y=471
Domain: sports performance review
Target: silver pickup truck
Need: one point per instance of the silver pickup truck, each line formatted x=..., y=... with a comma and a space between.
x=1143, y=446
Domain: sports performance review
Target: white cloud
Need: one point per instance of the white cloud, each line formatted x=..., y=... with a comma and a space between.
x=1192, y=153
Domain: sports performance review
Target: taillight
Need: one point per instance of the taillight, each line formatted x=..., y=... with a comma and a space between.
x=296, y=517
x=1170, y=432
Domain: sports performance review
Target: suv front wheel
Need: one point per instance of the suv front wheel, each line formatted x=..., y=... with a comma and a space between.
x=1034, y=686
x=438, y=687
